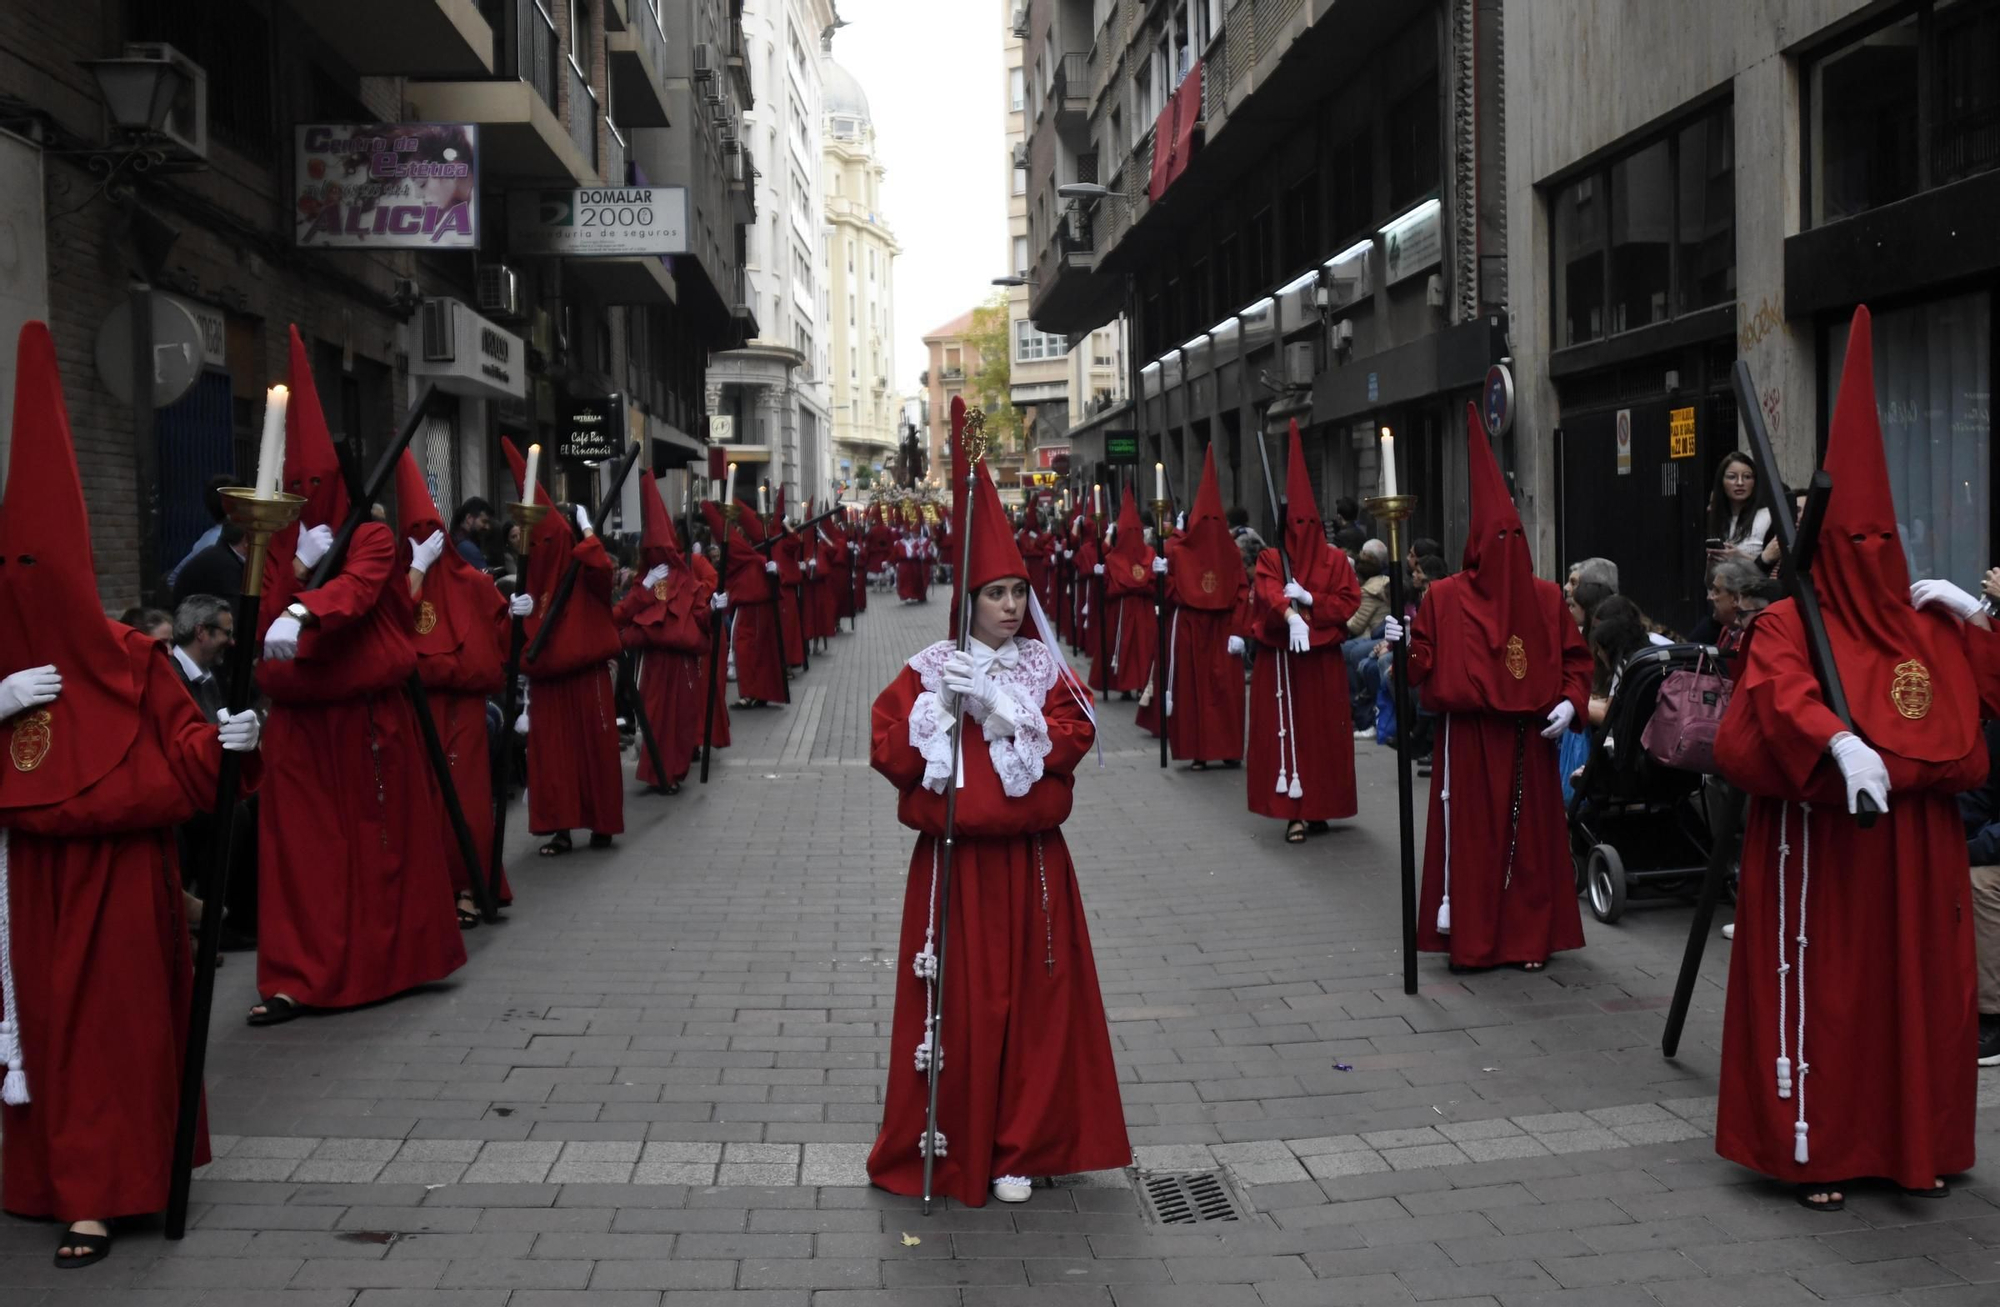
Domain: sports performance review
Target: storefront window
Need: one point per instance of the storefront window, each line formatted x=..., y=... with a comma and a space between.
x=1642, y=215
x=1579, y=261
x=1705, y=252
x=1933, y=388
x=1864, y=98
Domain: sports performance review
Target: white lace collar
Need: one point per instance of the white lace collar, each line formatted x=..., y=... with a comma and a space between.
x=1025, y=664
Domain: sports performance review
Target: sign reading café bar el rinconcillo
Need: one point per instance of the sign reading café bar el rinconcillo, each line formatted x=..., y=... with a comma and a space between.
x=387, y=186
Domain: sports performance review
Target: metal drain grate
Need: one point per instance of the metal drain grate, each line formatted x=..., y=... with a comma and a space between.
x=1187, y=1198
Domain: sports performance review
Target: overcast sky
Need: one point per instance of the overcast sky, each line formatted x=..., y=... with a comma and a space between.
x=935, y=81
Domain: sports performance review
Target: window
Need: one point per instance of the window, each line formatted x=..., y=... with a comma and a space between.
x=1301, y=232
x=1413, y=145
x=1020, y=179
x=1017, y=89
x=1020, y=264
x=1353, y=187
x=1031, y=346
x=871, y=263
x=1648, y=236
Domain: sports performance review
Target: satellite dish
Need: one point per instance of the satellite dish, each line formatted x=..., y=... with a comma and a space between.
x=177, y=351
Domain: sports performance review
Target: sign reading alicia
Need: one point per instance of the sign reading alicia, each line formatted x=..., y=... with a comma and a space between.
x=387, y=186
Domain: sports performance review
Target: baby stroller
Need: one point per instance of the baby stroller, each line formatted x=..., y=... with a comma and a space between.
x=1635, y=825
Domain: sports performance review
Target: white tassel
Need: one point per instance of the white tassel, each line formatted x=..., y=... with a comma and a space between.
x=1444, y=796
x=1295, y=792
x=1279, y=678
x=14, y=1090
x=1444, y=917
x=1784, y=1077
x=1799, y=1144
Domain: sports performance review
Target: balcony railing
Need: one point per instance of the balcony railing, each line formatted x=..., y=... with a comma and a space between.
x=527, y=45
x=583, y=114
x=615, y=153
x=1071, y=93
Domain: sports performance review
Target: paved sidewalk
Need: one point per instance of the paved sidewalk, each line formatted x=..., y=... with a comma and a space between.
x=656, y=1083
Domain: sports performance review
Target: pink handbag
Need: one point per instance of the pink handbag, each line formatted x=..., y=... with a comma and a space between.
x=1682, y=731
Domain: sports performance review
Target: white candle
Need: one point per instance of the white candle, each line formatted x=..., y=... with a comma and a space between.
x=763, y=499
x=1097, y=499
x=534, y=465
x=271, y=448
x=1388, y=463
x=729, y=493
x=1159, y=481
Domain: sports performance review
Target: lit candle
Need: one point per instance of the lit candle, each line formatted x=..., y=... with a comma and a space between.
x=763, y=499
x=1097, y=499
x=534, y=464
x=1160, y=481
x=271, y=449
x=729, y=493
x=1388, y=463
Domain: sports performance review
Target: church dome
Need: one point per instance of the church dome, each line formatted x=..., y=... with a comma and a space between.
x=844, y=97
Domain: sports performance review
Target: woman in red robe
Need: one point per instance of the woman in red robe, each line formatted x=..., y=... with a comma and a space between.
x=1126, y=573
x=108, y=755
x=913, y=567
x=354, y=887
x=576, y=777
x=879, y=551
x=665, y=618
x=1301, y=765
x=1497, y=658
x=1027, y=1082
x=1860, y=1063
x=1207, y=594
x=752, y=587
x=461, y=631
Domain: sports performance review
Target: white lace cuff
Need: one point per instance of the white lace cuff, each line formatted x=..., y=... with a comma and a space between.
x=1017, y=756
x=930, y=735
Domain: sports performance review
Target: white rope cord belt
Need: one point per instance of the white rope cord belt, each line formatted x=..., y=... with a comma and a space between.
x=14, y=1091
x=1444, y=798
x=1787, y=1082
x=1287, y=730
x=1173, y=659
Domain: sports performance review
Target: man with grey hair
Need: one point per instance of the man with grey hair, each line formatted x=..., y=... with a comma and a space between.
x=1602, y=571
x=204, y=630
x=204, y=634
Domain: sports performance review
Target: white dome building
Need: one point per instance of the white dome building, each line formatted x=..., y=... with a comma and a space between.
x=860, y=307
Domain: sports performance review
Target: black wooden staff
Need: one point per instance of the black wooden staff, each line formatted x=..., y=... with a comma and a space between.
x=637, y=707
x=716, y=625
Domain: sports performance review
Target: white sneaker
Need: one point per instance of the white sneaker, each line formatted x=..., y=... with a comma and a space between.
x=1365, y=733
x=1013, y=1188
x=1729, y=931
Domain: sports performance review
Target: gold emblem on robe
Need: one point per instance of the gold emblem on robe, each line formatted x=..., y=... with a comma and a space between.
x=542, y=608
x=1517, y=658
x=1911, y=690
x=1138, y=572
x=32, y=740
x=427, y=618
x=1208, y=582
x=660, y=591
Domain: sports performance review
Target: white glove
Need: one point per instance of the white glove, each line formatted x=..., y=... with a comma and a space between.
x=314, y=541
x=1301, y=637
x=1068, y=554
x=719, y=600
x=1945, y=595
x=240, y=731
x=1392, y=630
x=1159, y=567
x=1298, y=594
x=521, y=605
x=956, y=672
x=583, y=519
x=1236, y=646
x=1097, y=570
x=281, y=642
x=655, y=576
x=1863, y=770
x=1560, y=717
x=521, y=723
x=771, y=567
x=425, y=552
x=30, y=688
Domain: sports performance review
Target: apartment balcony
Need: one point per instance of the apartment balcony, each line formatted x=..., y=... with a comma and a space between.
x=739, y=70
x=1070, y=96
x=743, y=176
x=524, y=137
x=584, y=114
x=635, y=44
x=435, y=38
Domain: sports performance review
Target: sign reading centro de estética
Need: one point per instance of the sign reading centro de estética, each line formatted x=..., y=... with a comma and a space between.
x=387, y=186
x=603, y=220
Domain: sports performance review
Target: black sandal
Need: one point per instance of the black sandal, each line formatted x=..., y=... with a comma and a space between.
x=1938, y=1190
x=1319, y=827
x=468, y=918
x=1197, y=766
x=558, y=845
x=1804, y=1193
x=673, y=789
x=96, y=1247
x=277, y=1011
x=1295, y=832
x=599, y=841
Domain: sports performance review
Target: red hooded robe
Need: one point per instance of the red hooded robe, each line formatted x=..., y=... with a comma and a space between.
x=1031, y=1085
x=788, y=552
x=1879, y=1025
x=354, y=884
x=1129, y=619
x=1206, y=589
x=98, y=779
x=1492, y=651
x=576, y=778
x=668, y=624
x=753, y=594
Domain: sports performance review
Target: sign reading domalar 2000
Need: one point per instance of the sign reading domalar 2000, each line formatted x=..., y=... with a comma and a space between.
x=606, y=220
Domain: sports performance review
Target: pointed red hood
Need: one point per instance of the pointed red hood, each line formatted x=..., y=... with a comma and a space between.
x=312, y=468
x=1129, y=557
x=658, y=542
x=1513, y=658
x=1205, y=564
x=457, y=597
x=49, y=610
x=1907, y=679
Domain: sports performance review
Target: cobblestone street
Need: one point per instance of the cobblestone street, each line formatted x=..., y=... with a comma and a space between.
x=657, y=1082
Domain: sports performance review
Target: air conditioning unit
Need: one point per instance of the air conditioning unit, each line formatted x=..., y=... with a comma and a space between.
x=186, y=123
x=1299, y=363
x=1343, y=334
x=499, y=290
x=1020, y=154
x=704, y=62
x=439, y=340
x=736, y=168
x=1021, y=20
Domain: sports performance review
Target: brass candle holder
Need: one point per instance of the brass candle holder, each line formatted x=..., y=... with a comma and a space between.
x=260, y=517
x=527, y=517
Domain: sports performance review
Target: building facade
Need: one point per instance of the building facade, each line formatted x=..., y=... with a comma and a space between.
x=1681, y=206
x=861, y=299
x=1301, y=202
x=273, y=204
x=775, y=388
x=952, y=361
x=1038, y=369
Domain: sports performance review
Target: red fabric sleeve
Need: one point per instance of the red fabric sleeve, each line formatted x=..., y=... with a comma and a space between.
x=596, y=570
x=1333, y=604
x=1778, y=726
x=889, y=750
x=1423, y=650
x=1268, y=602
x=351, y=594
x=1070, y=731
x=1576, y=671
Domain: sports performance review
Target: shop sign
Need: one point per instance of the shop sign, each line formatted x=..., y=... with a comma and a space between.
x=1046, y=456
x=593, y=429
x=477, y=359
x=1121, y=448
x=387, y=186
x=619, y=221
x=1680, y=433
x=1413, y=242
x=1624, y=442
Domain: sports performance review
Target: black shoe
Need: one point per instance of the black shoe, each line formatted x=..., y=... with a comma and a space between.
x=1989, y=1040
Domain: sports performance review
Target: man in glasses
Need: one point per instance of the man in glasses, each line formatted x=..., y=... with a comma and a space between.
x=204, y=635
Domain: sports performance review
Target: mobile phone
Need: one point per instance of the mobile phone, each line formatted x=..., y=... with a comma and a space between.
x=1714, y=543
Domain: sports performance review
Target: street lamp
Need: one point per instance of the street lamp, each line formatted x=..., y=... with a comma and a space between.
x=1083, y=191
x=1014, y=281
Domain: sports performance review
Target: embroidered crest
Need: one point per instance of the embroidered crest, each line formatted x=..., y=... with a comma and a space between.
x=427, y=618
x=1517, y=658
x=1138, y=572
x=32, y=740
x=660, y=591
x=542, y=608
x=1911, y=690
x=1208, y=582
